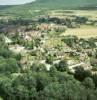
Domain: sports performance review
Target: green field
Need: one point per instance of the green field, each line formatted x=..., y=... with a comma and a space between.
x=29, y=10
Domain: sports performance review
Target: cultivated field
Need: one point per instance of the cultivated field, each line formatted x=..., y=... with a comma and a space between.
x=82, y=32
x=92, y=14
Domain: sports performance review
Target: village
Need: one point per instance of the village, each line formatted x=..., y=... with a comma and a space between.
x=43, y=40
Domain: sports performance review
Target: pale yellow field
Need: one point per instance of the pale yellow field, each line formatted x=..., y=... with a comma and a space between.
x=91, y=14
x=83, y=32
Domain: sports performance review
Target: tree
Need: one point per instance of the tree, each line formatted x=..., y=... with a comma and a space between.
x=5, y=52
x=91, y=42
x=17, y=56
x=94, y=77
x=24, y=86
x=88, y=83
x=49, y=59
x=8, y=66
x=81, y=20
x=37, y=67
x=69, y=90
x=81, y=74
x=70, y=40
x=42, y=80
x=62, y=66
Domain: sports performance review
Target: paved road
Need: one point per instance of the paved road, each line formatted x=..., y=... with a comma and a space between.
x=73, y=66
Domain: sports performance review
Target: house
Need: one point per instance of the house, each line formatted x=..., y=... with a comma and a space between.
x=7, y=40
x=30, y=34
x=83, y=57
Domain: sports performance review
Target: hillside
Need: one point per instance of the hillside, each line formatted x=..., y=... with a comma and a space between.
x=29, y=9
x=66, y=3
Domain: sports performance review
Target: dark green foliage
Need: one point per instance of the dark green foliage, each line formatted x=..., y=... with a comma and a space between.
x=63, y=91
x=8, y=63
x=81, y=74
x=89, y=83
x=94, y=77
x=70, y=40
x=81, y=20
x=4, y=51
x=17, y=57
x=42, y=85
x=87, y=43
x=91, y=42
x=8, y=66
x=62, y=66
x=49, y=59
x=38, y=67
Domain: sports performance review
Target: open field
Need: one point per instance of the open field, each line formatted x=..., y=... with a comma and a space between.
x=91, y=14
x=82, y=32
